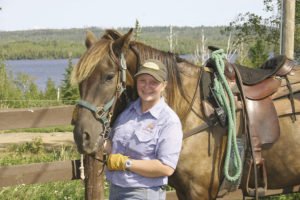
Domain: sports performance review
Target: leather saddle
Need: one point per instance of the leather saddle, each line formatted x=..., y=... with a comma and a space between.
x=258, y=86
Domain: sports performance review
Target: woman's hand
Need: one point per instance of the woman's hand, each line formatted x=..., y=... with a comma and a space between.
x=116, y=162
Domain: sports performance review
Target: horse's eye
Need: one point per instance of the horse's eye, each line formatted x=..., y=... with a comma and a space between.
x=109, y=77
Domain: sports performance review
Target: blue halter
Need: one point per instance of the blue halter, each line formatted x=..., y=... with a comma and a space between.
x=101, y=113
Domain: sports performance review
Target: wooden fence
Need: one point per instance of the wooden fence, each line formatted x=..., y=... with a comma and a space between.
x=61, y=170
x=40, y=172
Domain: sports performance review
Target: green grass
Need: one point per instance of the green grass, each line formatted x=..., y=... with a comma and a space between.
x=48, y=191
x=36, y=152
x=294, y=196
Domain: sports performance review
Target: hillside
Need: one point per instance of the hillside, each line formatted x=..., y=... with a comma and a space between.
x=58, y=43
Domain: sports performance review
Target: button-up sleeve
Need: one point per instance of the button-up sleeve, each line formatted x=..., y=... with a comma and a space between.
x=169, y=144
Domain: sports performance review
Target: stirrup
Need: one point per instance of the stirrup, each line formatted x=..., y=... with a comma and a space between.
x=261, y=170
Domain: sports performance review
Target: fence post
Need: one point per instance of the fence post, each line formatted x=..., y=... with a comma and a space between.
x=58, y=94
x=94, y=180
x=288, y=28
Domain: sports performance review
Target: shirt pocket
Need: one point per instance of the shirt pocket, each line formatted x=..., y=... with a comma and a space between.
x=143, y=143
x=119, y=140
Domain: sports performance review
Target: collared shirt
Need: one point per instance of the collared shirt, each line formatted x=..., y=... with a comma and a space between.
x=155, y=134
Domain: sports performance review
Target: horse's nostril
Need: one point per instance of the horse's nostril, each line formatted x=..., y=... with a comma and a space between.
x=86, y=136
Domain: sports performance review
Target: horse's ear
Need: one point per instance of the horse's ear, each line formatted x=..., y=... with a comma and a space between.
x=121, y=44
x=90, y=39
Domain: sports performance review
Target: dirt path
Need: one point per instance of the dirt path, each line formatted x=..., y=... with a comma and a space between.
x=54, y=138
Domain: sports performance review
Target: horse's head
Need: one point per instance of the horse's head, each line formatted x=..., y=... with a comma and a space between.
x=101, y=75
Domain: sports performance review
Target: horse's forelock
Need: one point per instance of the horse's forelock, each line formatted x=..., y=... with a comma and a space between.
x=89, y=61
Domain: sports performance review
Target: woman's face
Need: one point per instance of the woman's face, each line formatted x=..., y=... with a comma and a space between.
x=149, y=89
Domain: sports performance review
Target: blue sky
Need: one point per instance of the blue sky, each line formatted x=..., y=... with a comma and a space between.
x=35, y=14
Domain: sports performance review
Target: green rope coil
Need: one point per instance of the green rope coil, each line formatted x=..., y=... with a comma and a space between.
x=222, y=91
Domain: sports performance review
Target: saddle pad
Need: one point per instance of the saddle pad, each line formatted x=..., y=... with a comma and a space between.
x=252, y=76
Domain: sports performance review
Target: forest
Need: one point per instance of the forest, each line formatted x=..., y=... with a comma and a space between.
x=59, y=43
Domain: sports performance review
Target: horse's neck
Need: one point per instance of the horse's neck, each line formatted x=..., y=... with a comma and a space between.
x=187, y=103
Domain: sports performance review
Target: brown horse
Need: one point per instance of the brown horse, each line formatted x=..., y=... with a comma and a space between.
x=102, y=77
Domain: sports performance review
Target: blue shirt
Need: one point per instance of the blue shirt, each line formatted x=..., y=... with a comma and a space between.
x=155, y=134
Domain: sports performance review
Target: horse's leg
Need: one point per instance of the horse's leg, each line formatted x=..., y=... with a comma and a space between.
x=198, y=171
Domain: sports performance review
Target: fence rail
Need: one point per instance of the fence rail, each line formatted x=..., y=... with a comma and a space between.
x=35, y=117
x=31, y=103
x=39, y=173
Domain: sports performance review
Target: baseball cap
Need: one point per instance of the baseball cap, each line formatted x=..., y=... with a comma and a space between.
x=154, y=68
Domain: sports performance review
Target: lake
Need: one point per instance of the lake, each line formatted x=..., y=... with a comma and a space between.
x=40, y=70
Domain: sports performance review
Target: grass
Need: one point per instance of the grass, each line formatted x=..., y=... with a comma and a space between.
x=294, y=196
x=48, y=191
x=36, y=152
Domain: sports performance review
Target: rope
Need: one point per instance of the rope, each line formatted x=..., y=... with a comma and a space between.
x=222, y=91
x=81, y=168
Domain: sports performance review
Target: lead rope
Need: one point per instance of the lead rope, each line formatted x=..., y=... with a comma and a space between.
x=81, y=168
x=219, y=84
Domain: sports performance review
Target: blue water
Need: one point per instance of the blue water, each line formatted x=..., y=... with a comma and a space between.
x=40, y=70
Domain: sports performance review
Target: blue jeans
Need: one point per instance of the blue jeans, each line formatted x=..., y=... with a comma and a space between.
x=152, y=193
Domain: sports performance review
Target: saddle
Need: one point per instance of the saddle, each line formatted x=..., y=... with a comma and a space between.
x=253, y=89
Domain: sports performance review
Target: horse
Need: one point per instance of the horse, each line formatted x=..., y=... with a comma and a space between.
x=105, y=75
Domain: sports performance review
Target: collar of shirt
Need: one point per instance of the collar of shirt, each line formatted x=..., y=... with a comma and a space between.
x=154, y=111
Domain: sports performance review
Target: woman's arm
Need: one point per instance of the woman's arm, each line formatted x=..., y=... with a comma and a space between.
x=146, y=168
x=150, y=168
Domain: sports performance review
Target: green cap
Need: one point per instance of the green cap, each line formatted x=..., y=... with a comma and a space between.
x=154, y=68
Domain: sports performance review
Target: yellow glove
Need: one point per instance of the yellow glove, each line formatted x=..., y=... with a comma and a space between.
x=116, y=162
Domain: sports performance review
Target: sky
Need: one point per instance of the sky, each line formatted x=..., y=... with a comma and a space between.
x=60, y=14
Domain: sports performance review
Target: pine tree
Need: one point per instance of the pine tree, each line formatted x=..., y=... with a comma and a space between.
x=50, y=93
x=69, y=93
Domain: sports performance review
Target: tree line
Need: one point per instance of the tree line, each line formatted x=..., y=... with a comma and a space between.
x=53, y=44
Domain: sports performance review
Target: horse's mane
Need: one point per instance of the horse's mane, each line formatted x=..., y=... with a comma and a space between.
x=89, y=60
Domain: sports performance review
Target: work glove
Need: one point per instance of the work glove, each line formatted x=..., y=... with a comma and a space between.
x=116, y=162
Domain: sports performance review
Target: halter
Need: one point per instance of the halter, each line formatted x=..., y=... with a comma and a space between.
x=104, y=113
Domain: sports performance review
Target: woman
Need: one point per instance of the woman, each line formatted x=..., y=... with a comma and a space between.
x=146, y=140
